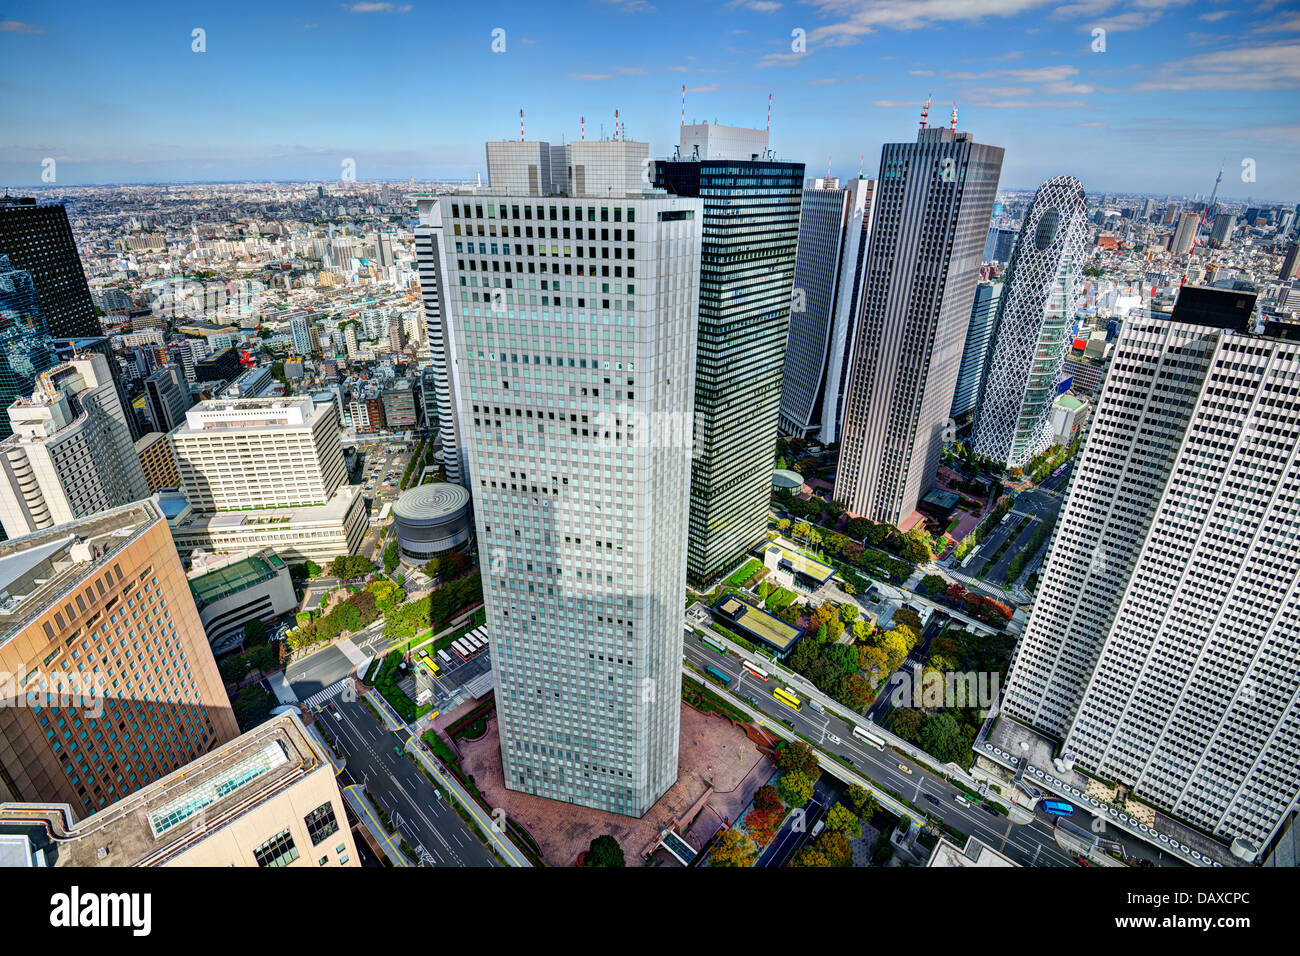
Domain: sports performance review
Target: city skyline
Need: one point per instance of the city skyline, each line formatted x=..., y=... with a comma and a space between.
x=1023, y=73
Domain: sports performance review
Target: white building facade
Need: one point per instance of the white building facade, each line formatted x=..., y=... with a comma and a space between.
x=573, y=320
x=1162, y=648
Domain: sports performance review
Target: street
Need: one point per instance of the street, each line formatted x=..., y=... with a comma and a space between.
x=433, y=828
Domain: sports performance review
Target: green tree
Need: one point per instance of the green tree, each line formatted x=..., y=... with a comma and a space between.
x=843, y=820
x=933, y=583
x=795, y=789
x=907, y=723
x=799, y=756
x=254, y=633
x=733, y=848
x=942, y=737
x=864, y=801
x=604, y=851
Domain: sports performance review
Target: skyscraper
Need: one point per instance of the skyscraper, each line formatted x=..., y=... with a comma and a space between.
x=167, y=394
x=1290, y=262
x=1013, y=422
x=932, y=207
x=1224, y=224
x=999, y=245
x=1162, y=646
x=37, y=238
x=25, y=346
x=1185, y=234
x=300, y=330
x=573, y=319
x=751, y=232
x=71, y=453
x=430, y=255
x=120, y=683
x=979, y=333
x=834, y=224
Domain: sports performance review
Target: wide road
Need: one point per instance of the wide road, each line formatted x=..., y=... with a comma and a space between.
x=1031, y=844
x=333, y=663
x=428, y=823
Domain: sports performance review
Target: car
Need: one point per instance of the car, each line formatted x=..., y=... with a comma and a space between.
x=337, y=716
x=904, y=768
x=962, y=800
x=397, y=750
x=989, y=808
x=932, y=798
x=833, y=739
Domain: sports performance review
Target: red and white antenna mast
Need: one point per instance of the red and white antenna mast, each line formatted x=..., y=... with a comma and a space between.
x=683, y=104
x=861, y=159
x=954, y=116
x=521, y=126
x=583, y=125
x=925, y=111
x=616, y=124
x=769, y=111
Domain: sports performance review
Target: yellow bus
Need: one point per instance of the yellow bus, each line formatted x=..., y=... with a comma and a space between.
x=786, y=696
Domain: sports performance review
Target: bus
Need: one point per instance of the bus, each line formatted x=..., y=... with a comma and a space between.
x=786, y=696
x=470, y=641
x=715, y=644
x=460, y=648
x=1058, y=808
x=446, y=658
x=871, y=740
x=429, y=665
x=755, y=670
x=724, y=679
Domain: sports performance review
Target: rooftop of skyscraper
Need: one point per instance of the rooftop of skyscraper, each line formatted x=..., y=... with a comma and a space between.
x=36, y=568
x=157, y=822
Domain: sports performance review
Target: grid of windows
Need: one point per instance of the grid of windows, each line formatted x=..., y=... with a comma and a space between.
x=321, y=823
x=280, y=850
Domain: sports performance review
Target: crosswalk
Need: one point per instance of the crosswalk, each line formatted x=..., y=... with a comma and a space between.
x=318, y=698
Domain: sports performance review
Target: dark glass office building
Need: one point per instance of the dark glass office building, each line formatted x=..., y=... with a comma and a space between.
x=25, y=348
x=751, y=231
x=37, y=238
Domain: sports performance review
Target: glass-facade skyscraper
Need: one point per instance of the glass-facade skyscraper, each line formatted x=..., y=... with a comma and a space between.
x=751, y=232
x=37, y=237
x=979, y=332
x=25, y=347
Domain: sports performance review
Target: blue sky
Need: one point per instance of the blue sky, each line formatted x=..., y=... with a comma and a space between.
x=289, y=89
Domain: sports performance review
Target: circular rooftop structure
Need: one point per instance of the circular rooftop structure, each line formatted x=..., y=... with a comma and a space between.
x=430, y=520
x=785, y=478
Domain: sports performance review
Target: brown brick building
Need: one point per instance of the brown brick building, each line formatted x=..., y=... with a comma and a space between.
x=157, y=461
x=107, y=681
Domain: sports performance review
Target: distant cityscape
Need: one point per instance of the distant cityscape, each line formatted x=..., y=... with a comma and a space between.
x=645, y=506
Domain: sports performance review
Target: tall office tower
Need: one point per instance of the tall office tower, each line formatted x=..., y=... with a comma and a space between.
x=828, y=277
x=25, y=346
x=1162, y=648
x=573, y=325
x=932, y=207
x=1148, y=208
x=1224, y=224
x=1013, y=421
x=999, y=245
x=395, y=335
x=1290, y=262
x=269, y=797
x=191, y=352
x=157, y=462
x=37, y=238
x=1185, y=235
x=431, y=260
x=168, y=396
x=751, y=233
x=979, y=333
x=71, y=453
x=237, y=454
x=100, y=627
x=300, y=331
x=384, y=249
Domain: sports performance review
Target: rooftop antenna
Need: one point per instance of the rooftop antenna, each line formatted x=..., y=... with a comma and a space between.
x=769, y=111
x=954, y=116
x=925, y=111
x=828, y=167
x=615, y=124
x=521, y=126
x=861, y=159
x=583, y=121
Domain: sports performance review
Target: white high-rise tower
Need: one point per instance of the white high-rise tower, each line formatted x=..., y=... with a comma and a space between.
x=1162, y=648
x=573, y=323
x=1013, y=421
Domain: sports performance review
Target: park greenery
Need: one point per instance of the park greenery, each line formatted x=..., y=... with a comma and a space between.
x=604, y=852
x=348, y=566
x=435, y=608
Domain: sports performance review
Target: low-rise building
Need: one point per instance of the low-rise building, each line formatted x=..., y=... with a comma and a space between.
x=268, y=798
x=232, y=590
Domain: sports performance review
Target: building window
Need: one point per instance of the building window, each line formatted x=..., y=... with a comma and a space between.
x=321, y=823
x=277, y=851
